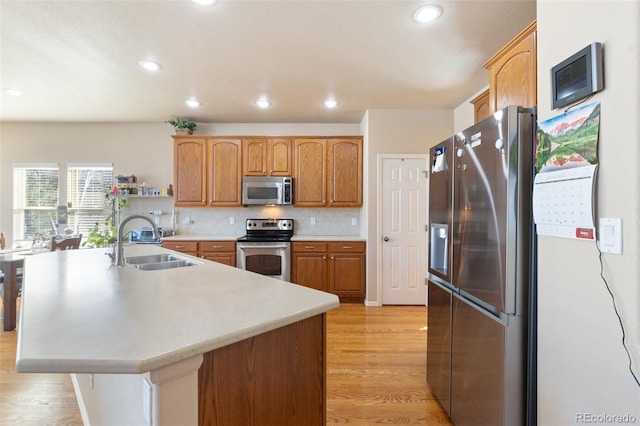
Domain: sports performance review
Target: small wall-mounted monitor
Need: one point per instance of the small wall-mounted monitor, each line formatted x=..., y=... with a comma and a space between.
x=577, y=77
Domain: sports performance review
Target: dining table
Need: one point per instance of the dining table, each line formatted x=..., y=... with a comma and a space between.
x=10, y=261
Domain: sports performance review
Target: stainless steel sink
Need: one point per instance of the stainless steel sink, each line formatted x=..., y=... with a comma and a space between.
x=152, y=258
x=171, y=264
x=157, y=262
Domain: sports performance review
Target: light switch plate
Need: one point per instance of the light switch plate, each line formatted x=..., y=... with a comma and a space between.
x=610, y=233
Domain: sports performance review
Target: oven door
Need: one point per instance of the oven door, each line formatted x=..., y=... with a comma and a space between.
x=272, y=259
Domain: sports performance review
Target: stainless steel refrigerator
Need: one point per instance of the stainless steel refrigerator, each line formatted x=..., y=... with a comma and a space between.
x=481, y=285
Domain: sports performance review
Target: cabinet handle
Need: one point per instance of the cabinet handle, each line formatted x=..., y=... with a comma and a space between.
x=216, y=247
x=178, y=247
x=347, y=247
x=309, y=247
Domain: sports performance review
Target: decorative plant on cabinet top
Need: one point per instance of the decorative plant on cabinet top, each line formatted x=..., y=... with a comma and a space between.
x=183, y=125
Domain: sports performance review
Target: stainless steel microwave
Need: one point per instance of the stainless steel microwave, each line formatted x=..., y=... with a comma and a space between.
x=263, y=190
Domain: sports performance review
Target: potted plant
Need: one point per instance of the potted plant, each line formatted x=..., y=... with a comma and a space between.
x=183, y=125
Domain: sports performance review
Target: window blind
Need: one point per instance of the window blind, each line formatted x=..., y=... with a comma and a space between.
x=35, y=199
x=86, y=196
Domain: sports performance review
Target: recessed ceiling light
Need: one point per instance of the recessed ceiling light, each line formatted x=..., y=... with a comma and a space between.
x=263, y=103
x=192, y=103
x=427, y=13
x=12, y=92
x=150, y=65
x=331, y=103
x=205, y=2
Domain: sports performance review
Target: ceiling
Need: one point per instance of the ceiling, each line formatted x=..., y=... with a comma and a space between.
x=77, y=61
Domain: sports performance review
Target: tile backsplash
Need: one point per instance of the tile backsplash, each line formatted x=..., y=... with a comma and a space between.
x=231, y=221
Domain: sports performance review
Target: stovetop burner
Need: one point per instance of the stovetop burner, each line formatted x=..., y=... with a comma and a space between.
x=264, y=230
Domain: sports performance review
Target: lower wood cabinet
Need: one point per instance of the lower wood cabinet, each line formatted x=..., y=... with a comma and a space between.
x=217, y=251
x=275, y=378
x=186, y=247
x=309, y=264
x=347, y=269
x=336, y=267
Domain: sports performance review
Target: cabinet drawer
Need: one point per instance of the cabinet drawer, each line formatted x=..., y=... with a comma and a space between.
x=190, y=247
x=347, y=247
x=216, y=246
x=308, y=247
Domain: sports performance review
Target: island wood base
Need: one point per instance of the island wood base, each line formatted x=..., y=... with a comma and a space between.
x=275, y=378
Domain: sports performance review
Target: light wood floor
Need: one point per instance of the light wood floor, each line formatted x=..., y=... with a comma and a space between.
x=376, y=371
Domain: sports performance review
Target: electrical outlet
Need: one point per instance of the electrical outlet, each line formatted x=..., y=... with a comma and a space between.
x=186, y=220
x=232, y=220
x=354, y=221
x=146, y=400
x=313, y=220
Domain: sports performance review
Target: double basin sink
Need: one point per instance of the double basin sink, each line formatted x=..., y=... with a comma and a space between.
x=156, y=262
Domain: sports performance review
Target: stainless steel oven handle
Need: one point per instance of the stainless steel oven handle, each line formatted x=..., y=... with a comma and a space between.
x=261, y=247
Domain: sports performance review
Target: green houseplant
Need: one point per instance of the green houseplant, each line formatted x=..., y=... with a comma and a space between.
x=106, y=234
x=183, y=125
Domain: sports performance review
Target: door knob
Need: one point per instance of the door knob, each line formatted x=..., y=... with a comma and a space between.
x=386, y=239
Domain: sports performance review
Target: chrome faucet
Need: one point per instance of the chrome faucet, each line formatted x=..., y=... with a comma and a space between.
x=118, y=250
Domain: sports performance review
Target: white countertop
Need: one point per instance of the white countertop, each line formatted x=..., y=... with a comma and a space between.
x=201, y=238
x=235, y=237
x=80, y=314
x=328, y=238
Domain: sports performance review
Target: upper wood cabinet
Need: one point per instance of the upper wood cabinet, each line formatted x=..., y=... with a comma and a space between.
x=513, y=72
x=328, y=172
x=481, y=107
x=344, y=177
x=267, y=157
x=310, y=172
x=189, y=162
x=224, y=172
x=207, y=171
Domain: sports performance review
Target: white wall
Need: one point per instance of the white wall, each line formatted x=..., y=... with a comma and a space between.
x=583, y=368
x=395, y=132
x=146, y=150
x=463, y=115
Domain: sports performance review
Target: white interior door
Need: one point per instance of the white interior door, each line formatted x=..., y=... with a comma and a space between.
x=403, y=238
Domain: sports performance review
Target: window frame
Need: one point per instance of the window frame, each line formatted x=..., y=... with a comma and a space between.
x=65, y=213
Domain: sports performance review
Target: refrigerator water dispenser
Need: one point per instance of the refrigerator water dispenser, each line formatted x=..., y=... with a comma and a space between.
x=439, y=258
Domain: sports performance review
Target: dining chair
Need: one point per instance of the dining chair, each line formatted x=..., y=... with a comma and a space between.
x=66, y=244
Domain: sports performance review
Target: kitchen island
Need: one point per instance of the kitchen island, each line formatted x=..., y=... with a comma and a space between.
x=207, y=344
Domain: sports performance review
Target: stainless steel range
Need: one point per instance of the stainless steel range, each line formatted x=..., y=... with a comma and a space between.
x=266, y=248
